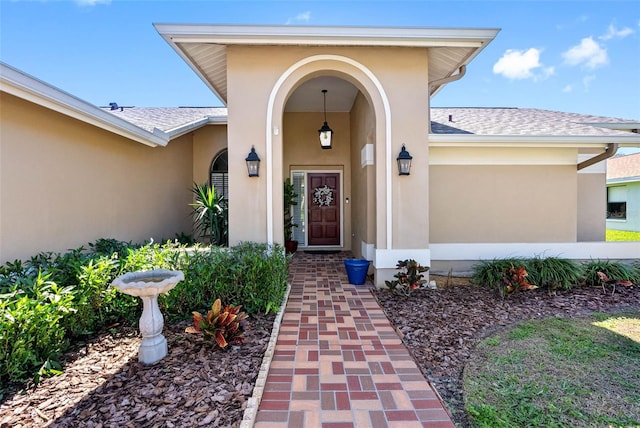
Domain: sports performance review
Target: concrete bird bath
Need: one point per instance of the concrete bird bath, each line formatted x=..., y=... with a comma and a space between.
x=148, y=285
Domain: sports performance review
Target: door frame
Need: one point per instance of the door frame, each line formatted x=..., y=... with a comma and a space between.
x=340, y=173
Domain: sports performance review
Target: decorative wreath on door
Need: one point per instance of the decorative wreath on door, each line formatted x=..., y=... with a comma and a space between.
x=323, y=196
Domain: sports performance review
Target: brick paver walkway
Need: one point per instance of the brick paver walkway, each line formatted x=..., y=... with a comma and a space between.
x=338, y=361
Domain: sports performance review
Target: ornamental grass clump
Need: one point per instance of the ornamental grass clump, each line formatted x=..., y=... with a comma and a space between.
x=613, y=271
x=409, y=278
x=490, y=273
x=221, y=324
x=553, y=273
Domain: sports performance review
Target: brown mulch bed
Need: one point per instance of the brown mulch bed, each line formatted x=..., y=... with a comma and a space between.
x=443, y=326
x=104, y=385
x=196, y=385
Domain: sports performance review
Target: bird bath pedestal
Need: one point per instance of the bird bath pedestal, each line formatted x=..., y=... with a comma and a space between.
x=148, y=285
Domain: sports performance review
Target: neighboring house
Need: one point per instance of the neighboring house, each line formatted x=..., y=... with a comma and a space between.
x=623, y=193
x=483, y=183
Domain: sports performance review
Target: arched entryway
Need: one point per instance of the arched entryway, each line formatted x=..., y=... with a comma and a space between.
x=359, y=158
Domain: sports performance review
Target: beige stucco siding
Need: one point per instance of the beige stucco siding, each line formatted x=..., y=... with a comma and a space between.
x=248, y=95
x=472, y=203
x=208, y=142
x=592, y=206
x=64, y=183
x=362, y=177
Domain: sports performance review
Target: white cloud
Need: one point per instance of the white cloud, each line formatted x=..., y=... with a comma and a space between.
x=588, y=53
x=301, y=17
x=613, y=32
x=568, y=88
x=516, y=64
x=547, y=72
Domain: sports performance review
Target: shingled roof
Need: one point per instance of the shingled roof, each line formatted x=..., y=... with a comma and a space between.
x=167, y=118
x=522, y=121
x=623, y=168
x=445, y=120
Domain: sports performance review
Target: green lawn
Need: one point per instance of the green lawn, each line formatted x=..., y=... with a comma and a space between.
x=622, y=235
x=557, y=372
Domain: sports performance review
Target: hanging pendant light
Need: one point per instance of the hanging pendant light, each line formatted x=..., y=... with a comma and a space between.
x=325, y=132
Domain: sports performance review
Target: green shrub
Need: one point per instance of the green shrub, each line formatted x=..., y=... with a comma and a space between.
x=259, y=276
x=97, y=303
x=108, y=247
x=614, y=270
x=205, y=273
x=490, y=273
x=249, y=274
x=554, y=273
x=31, y=335
x=52, y=298
x=62, y=268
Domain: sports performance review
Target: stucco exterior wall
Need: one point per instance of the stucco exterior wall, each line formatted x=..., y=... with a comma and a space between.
x=207, y=143
x=493, y=203
x=394, y=82
x=362, y=177
x=592, y=207
x=64, y=183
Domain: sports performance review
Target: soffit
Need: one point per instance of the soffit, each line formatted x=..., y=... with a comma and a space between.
x=203, y=47
x=445, y=61
x=210, y=63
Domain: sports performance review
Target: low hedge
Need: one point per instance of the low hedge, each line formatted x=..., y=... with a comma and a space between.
x=550, y=273
x=53, y=300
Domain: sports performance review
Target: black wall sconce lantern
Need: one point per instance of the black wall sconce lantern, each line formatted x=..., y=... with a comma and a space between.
x=325, y=132
x=404, y=162
x=253, y=163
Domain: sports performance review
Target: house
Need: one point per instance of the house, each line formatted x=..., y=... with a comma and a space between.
x=483, y=182
x=623, y=193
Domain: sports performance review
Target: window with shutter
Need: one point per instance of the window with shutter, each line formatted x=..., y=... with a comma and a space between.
x=219, y=174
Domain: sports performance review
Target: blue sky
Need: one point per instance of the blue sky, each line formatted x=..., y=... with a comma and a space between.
x=575, y=56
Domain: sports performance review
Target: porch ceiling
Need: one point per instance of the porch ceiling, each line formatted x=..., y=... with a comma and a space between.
x=203, y=47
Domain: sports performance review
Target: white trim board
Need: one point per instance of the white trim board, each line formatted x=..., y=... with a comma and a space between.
x=567, y=250
x=26, y=87
x=388, y=258
x=326, y=36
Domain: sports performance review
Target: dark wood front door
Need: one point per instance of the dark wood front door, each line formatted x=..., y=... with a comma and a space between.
x=324, y=208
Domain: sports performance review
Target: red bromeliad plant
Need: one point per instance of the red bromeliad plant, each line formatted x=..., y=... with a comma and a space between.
x=223, y=325
x=612, y=282
x=409, y=278
x=515, y=279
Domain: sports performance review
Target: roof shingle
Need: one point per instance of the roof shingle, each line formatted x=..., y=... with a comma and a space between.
x=623, y=167
x=520, y=121
x=464, y=120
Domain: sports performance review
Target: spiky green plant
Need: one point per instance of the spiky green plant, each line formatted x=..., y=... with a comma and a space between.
x=489, y=273
x=554, y=273
x=211, y=214
x=613, y=270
